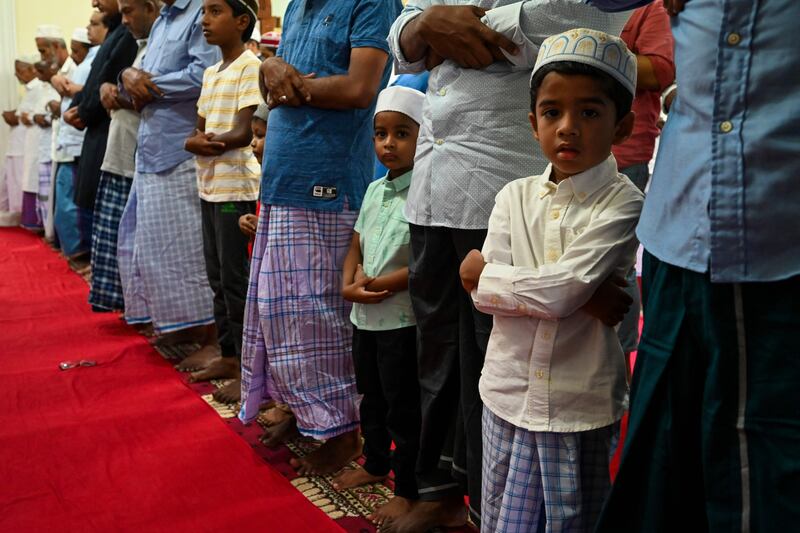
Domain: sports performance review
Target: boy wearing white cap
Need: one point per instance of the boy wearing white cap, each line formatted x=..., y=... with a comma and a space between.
x=553, y=382
x=375, y=279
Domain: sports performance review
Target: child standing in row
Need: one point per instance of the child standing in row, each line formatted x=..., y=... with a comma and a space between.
x=227, y=174
x=553, y=383
x=375, y=279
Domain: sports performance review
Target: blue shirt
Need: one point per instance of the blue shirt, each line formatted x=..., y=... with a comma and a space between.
x=177, y=55
x=321, y=158
x=725, y=190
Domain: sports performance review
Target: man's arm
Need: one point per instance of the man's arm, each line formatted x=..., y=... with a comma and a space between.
x=185, y=84
x=655, y=64
x=450, y=32
x=356, y=89
x=619, y=5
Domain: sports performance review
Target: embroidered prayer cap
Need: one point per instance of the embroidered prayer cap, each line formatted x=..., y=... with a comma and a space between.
x=262, y=112
x=30, y=59
x=590, y=47
x=48, y=31
x=80, y=35
x=403, y=100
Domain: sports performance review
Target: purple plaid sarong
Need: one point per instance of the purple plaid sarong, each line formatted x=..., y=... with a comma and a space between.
x=297, y=333
x=542, y=482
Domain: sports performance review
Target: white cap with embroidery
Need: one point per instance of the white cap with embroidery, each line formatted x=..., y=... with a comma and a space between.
x=403, y=100
x=590, y=47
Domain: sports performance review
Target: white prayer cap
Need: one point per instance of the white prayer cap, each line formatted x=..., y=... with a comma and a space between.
x=594, y=48
x=262, y=112
x=48, y=31
x=81, y=35
x=403, y=100
x=30, y=59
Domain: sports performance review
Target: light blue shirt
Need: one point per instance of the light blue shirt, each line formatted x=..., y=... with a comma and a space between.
x=725, y=193
x=177, y=55
x=70, y=140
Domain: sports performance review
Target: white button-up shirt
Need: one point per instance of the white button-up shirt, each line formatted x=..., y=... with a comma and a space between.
x=550, y=366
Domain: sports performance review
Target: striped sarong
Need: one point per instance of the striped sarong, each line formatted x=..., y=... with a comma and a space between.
x=45, y=179
x=542, y=482
x=160, y=252
x=297, y=333
x=112, y=195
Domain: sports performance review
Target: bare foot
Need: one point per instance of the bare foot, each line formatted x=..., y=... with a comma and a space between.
x=354, y=477
x=280, y=433
x=276, y=414
x=218, y=368
x=331, y=457
x=428, y=515
x=199, y=360
x=391, y=510
x=230, y=393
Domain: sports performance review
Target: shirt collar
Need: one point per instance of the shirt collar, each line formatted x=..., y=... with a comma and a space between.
x=400, y=183
x=179, y=4
x=35, y=82
x=586, y=183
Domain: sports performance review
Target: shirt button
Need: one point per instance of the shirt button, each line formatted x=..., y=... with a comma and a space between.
x=520, y=307
x=552, y=255
x=582, y=196
x=555, y=214
x=540, y=374
x=726, y=127
x=547, y=335
x=442, y=91
x=734, y=38
x=440, y=141
x=495, y=300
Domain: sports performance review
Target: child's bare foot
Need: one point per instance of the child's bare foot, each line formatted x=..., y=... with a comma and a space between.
x=229, y=393
x=218, y=368
x=391, y=510
x=331, y=457
x=354, y=477
x=199, y=359
x=428, y=515
x=278, y=434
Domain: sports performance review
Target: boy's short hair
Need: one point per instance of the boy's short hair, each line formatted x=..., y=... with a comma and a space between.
x=249, y=8
x=613, y=89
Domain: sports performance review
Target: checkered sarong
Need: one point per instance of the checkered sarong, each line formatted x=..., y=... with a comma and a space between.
x=160, y=252
x=112, y=195
x=528, y=473
x=297, y=333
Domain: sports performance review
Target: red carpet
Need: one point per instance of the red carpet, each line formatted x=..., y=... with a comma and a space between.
x=124, y=445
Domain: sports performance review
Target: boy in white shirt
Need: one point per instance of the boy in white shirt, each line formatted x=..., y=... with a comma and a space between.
x=553, y=383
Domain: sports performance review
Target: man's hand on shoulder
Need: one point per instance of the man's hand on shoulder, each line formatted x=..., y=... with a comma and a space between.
x=674, y=7
x=457, y=33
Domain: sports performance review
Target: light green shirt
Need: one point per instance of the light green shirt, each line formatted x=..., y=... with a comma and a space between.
x=384, y=236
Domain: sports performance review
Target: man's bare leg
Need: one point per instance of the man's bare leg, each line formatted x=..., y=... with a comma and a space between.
x=231, y=392
x=206, y=336
x=391, y=510
x=332, y=456
x=279, y=433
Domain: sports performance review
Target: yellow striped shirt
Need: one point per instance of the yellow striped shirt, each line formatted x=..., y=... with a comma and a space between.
x=235, y=175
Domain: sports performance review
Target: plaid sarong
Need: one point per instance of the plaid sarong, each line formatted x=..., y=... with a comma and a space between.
x=297, y=332
x=160, y=252
x=541, y=482
x=106, y=289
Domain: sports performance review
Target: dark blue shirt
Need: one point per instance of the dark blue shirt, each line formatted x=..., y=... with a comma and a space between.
x=321, y=158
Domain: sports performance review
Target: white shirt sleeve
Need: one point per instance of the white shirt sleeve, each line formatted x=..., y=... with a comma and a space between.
x=558, y=289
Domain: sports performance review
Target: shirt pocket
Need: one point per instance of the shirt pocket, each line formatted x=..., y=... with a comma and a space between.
x=331, y=36
x=399, y=235
x=569, y=234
